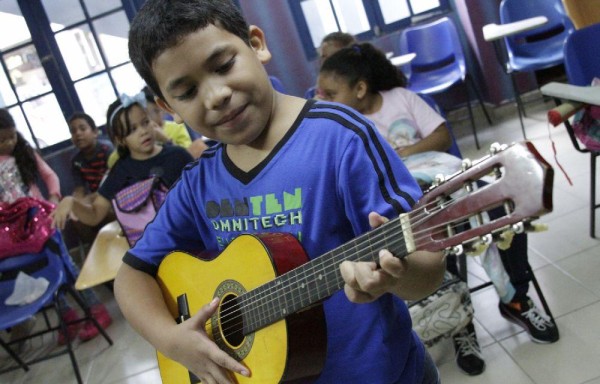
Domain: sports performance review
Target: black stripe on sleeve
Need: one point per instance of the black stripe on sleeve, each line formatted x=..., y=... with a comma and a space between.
x=140, y=265
x=381, y=174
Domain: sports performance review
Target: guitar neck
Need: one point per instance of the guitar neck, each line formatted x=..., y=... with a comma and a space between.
x=316, y=280
x=523, y=189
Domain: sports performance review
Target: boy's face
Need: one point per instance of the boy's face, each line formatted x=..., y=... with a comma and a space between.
x=140, y=140
x=82, y=134
x=217, y=84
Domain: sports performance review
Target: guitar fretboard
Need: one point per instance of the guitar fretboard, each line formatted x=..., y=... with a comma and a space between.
x=316, y=280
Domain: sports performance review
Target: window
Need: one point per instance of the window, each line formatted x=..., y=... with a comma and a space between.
x=362, y=18
x=92, y=39
x=25, y=89
x=63, y=56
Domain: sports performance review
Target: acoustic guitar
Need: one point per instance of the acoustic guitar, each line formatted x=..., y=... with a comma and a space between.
x=270, y=317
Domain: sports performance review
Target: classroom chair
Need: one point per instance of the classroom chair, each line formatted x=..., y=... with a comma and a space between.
x=439, y=63
x=533, y=49
x=46, y=264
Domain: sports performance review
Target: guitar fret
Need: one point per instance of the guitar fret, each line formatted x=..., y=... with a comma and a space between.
x=314, y=281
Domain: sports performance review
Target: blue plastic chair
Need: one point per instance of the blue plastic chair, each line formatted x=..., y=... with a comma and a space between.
x=439, y=63
x=582, y=64
x=536, y=49
x=49, y=265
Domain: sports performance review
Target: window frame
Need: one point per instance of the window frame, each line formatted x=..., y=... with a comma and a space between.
x=374, y=15
x=62, y=86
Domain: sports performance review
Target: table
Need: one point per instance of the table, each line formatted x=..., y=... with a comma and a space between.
x=581, y=94
x=104, y=258
x=493, y=32
x=403, y=59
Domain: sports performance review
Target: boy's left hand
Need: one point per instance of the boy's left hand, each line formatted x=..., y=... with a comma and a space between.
x=365, y=281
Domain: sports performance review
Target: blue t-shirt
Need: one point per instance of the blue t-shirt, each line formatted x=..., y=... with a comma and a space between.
x=319, y=183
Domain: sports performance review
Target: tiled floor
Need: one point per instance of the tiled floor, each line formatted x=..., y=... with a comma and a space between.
x=565, y=259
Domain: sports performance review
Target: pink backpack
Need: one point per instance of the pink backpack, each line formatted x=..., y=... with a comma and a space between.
x=136, y=206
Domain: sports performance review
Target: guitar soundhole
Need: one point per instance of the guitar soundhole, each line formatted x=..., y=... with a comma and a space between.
x=228, y=322
x=232, y=323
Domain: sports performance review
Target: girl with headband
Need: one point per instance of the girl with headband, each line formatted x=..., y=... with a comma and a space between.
x=140, y=157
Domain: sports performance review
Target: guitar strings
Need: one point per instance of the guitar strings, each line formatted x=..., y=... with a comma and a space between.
x=273, y=290
x=315, y=265
x=375, y=241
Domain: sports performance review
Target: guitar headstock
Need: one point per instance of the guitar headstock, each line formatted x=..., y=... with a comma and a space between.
x=515, y=179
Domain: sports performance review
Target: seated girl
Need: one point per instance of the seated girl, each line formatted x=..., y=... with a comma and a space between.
x=140, y=157
x=363, y=78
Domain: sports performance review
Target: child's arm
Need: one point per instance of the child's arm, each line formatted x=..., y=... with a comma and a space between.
x=88, y=213
x=178, y=134
x=140, y=299
x=410, y=278
x=50, y=178
x=79, y=192
x=439, y=140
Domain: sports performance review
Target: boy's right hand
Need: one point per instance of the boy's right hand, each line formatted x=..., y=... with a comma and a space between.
x=62, y=212
x=192, y=347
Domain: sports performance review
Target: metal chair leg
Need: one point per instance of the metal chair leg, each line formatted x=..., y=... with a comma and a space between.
x=12, y=354
x=472, y=119
x=64, y=328
x=541, y=296
x=478, y=95
x=520, y=107
x=593, y=205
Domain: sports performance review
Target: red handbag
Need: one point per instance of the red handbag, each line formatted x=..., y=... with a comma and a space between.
x=25, y=226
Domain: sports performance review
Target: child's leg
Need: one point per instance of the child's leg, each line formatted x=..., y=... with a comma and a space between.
x=71, y=269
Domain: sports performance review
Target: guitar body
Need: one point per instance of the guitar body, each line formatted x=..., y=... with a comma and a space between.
x=289, y=350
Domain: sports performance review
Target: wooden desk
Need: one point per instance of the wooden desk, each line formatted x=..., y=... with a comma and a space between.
x=104, y=258
x=569, y=92
x=493, y=32
x=403, y=59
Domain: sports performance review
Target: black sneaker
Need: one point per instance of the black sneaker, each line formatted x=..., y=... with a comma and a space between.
x=540, y=327
x=468, y=353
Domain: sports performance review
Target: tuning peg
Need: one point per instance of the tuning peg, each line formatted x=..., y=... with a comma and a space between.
x=479, y=246
x=497, y=147
x=536, y=227
x=518, y=227
x=466, y=164
x=456, y=250
x=504, y=239
x=438, y=180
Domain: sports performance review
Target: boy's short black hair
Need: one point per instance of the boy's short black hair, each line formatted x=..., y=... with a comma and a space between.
x=161, y=24
x=84, y=116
